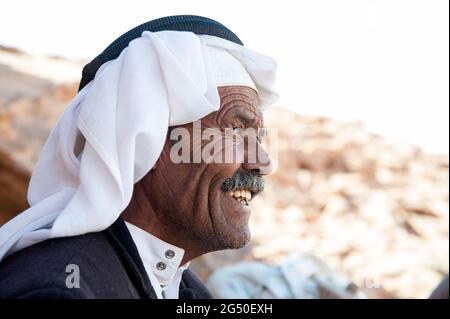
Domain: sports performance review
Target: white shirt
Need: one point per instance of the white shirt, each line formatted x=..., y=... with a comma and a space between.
x=161, y=261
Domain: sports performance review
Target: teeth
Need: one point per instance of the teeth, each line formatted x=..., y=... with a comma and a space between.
x=242, y=195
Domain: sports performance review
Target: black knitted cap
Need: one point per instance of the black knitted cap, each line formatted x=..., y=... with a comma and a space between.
x=196, y=24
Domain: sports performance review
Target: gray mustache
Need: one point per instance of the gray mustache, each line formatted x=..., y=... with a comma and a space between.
x=244, y=179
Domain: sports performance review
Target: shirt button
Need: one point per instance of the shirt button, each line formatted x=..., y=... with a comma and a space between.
x=160, y=265
x=170, y=254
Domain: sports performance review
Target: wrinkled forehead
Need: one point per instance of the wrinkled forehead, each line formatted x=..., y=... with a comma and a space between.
x=238, y=95
x=241, y=104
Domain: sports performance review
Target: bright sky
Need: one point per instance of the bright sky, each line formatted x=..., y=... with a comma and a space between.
x=385, y=62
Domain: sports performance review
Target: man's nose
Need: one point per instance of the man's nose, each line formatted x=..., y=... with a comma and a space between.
x=257, y=160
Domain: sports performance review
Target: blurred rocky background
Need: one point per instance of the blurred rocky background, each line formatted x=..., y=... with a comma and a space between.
x=374, y=211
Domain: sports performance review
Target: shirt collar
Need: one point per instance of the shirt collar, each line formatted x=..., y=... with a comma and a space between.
x=159, y=257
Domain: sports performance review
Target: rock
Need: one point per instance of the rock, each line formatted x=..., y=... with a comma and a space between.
x=29, y=108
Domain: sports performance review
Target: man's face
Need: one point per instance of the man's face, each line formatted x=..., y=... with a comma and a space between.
x=206, y=202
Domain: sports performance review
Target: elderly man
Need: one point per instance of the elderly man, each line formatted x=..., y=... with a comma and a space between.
x=115, y=211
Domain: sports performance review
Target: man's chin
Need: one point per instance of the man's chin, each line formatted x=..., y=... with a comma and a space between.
x=235, y=240
x=244, y=241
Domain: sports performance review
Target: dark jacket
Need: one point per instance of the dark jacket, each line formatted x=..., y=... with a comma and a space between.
x=109, y=267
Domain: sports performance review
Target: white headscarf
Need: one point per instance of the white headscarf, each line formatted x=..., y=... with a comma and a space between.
x=161, y=79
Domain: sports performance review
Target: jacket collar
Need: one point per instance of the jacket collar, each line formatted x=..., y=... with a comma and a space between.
x=121, y=239
x=154, y=252
x=119, y=236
